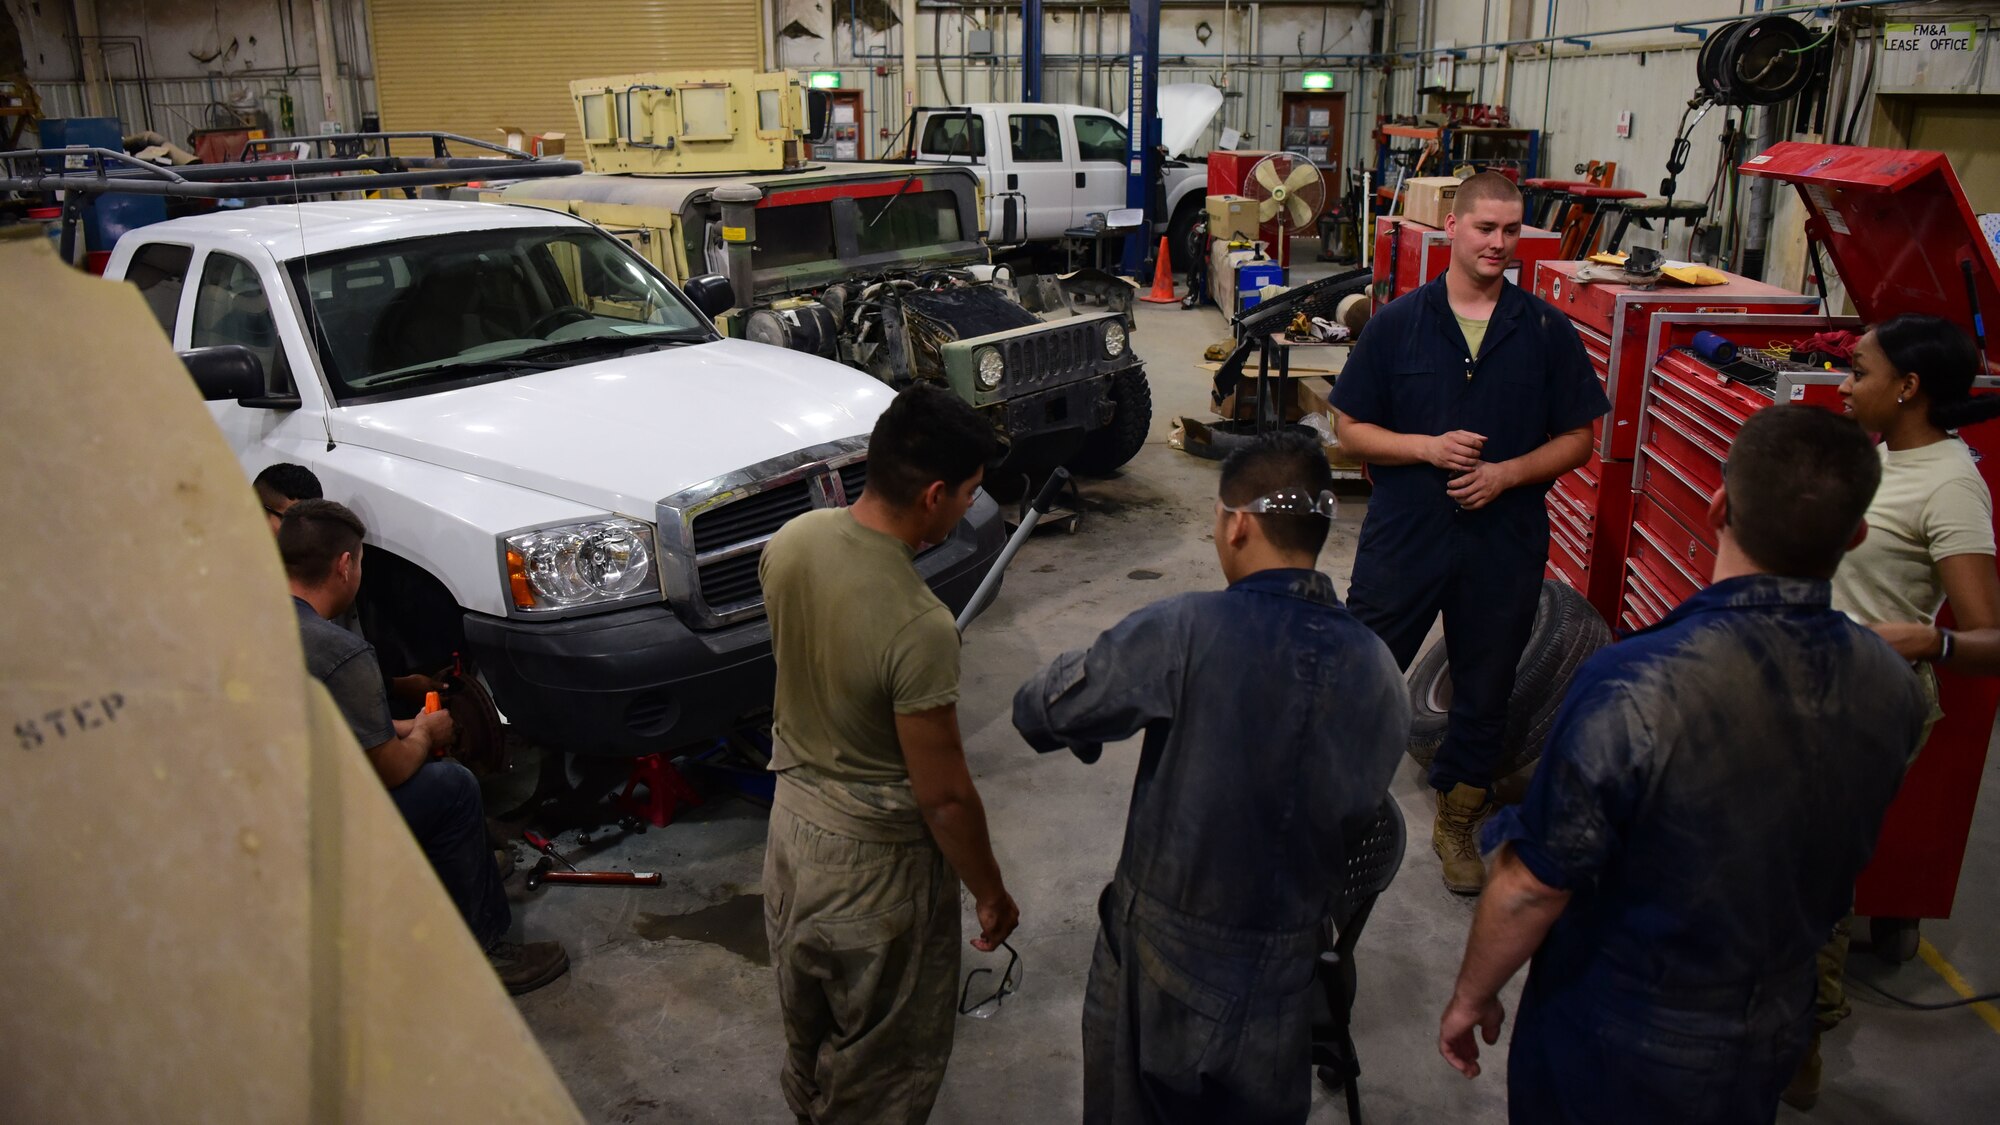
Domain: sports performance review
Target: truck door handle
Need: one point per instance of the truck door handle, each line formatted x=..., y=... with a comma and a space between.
x=1079, y=179
x=1013, y=182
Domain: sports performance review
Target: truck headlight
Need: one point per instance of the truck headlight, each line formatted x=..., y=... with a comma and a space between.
x=1114, y=340
x=580, y=563
x=992, y=368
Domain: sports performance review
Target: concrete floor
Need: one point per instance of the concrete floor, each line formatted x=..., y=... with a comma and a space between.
x=669, y=1012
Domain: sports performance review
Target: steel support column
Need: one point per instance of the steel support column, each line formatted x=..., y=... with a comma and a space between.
x=1142, y=120
x=1031, y=50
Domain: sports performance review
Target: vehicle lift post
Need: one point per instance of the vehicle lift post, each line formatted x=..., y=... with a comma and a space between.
x=1142, y=122
x=1031, y=50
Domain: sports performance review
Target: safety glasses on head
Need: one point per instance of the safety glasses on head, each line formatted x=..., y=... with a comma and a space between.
x=1289, y=502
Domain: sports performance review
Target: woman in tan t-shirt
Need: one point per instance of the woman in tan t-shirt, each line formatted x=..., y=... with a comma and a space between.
x=1930, y=540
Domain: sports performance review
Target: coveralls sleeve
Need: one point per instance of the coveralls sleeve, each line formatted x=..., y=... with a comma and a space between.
x=1129, y=677
x=1575, y=397
x=1361, y=390
x=1585, y=792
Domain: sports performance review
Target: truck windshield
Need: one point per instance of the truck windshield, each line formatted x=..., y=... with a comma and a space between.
x=427, y=314
x=917, y=219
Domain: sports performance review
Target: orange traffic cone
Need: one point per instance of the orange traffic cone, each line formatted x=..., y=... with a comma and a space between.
x=1163, y=279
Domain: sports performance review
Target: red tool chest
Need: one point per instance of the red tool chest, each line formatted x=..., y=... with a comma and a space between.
x=1614, y=320
x=1899, y=230
x=1408, y=254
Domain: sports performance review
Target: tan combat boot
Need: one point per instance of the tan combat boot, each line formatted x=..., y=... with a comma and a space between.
x=1803, y=1092
x=1455, y=835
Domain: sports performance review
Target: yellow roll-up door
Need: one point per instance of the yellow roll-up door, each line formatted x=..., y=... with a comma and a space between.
x=459, y=66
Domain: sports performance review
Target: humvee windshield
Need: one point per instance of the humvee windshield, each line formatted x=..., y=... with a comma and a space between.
x=913, y=225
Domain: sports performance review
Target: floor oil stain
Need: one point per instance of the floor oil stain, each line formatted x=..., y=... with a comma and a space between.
x=1144, y=575
x=735, y=924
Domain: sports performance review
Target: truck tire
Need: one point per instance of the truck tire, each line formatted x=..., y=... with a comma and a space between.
x=1567, y=630
x=1106, y=449
x=1180, y=250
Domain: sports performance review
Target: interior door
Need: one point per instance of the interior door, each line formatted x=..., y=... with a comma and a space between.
x=1040, y=169
x=1315, y=125
x=848, y=142
x=1099, y=183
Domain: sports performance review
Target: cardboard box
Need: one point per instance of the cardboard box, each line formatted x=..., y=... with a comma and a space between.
x=1232, y=217
x=1428, y=199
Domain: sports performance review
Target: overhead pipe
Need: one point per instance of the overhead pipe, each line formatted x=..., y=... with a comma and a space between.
x=1678, y=25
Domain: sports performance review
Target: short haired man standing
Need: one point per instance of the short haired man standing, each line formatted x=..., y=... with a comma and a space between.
x=1466, y=397
x=1711, y=788
x=876, y=819
x=439, y=799
x=1274, y=720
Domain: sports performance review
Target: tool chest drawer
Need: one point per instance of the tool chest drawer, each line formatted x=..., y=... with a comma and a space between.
x=1673, y=487
x=1673, y=434
x=1677, y=560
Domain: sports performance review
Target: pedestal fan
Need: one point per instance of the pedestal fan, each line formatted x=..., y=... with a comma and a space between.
x=1290, y=194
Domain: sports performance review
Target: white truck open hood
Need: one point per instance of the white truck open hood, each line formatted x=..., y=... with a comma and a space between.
x=625, y=432
x=1186, y=108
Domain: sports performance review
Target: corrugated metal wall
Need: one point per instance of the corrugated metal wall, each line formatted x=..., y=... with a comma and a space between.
x=472, y=66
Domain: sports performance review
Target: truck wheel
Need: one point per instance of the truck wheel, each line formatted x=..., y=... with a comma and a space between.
x=1179, y=233
x=1567, y=630
x=1109, y=447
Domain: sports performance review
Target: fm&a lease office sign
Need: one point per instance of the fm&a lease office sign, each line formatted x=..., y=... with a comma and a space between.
x=1928, y=38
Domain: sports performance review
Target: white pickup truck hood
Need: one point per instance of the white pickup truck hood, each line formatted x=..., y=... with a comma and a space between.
x=622, y=433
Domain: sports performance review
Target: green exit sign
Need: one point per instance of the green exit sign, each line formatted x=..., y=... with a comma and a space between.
x=1316, y=80
x=826, y=80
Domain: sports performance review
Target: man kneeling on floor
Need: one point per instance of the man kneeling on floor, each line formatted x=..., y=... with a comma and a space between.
x=1710, y=790
x=1274, y=720
x=439, y=799
x=876, y=819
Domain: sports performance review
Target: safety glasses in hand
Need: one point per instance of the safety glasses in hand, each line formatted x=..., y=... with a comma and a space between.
x=1010, y=983
x=1290, y=502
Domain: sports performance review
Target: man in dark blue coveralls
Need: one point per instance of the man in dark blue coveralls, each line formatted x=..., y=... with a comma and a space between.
x=1465, y=398
x=1710, y=790
x=1274, y=721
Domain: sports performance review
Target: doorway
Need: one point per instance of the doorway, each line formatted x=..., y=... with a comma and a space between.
x=1314, y=127
x=848, y=142
x=1959, y=125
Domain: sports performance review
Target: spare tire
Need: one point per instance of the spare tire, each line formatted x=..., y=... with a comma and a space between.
x=1567, y=630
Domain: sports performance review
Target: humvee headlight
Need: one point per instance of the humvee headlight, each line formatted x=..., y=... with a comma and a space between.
x=579, y=564
x=992, y=368
x=1114, y=340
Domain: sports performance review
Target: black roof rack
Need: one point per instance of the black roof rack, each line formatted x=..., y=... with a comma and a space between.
x=283, y=168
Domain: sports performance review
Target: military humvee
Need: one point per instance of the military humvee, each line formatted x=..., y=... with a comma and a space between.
x=879, y=266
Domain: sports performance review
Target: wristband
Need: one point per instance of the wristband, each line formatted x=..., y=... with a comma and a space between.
x=1944, y=646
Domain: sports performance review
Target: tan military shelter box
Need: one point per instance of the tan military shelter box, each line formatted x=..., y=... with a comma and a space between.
x=212, y=910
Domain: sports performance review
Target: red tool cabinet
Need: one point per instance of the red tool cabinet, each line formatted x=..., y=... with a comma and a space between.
x=1614, y=319
x=1899, y=230
x=1408, y=253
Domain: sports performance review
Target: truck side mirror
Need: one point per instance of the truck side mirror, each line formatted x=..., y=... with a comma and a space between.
x=819, y=117
x=226, y=371
x=711, y=293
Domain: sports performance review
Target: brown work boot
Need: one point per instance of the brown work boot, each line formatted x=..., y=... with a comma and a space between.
x=526, y=966
x=1455, y=835
x=1803, y=1093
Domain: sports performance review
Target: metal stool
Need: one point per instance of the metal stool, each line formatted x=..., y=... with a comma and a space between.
x=1542, y=194
x=1593, y=200
x=1654, y=207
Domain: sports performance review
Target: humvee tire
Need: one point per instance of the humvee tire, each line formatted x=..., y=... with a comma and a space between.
x=1106, y=449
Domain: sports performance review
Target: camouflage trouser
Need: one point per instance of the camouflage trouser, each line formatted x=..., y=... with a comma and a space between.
x=863, y=919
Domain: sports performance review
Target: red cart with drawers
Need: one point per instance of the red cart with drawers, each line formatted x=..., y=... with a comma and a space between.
x=1409, y=253
x=1901, y=235
x=1590, y=509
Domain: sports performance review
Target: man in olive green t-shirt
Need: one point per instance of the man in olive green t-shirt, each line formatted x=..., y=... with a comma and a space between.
x=876, y=819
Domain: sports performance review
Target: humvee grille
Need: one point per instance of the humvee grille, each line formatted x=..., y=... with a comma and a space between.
x=1053, y=356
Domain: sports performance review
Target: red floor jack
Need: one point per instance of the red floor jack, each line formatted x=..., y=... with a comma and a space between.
x=545, y=870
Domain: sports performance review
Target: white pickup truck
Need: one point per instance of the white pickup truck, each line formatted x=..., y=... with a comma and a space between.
x=1047, y=167
x=567, y=475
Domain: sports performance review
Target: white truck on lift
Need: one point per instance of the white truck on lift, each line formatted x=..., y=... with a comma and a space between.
x=1047, y=167
x=567, y=475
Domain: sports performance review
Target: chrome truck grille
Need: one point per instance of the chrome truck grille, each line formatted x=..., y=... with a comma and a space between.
x=712, y=535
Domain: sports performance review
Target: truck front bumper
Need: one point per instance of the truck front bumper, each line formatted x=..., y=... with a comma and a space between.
x=638, y=681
